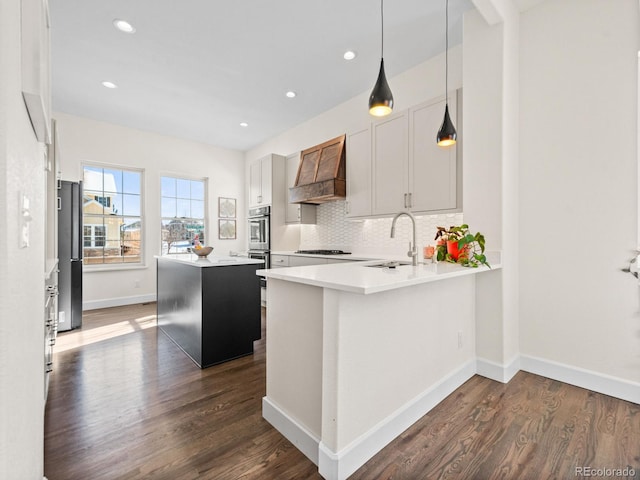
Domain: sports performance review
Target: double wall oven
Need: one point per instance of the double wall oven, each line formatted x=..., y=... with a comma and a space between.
x=260, y=236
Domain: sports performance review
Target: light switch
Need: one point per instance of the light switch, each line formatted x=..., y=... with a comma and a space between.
x=25, y=221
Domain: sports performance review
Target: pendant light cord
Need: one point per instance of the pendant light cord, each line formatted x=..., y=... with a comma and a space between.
x=446, y=55
x=382, y=28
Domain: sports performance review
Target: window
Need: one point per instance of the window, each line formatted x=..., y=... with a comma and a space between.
x=182, y=207
x=112, y=216
x=94, y=235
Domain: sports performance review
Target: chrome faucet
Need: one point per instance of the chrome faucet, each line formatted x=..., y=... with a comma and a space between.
x=413, y=250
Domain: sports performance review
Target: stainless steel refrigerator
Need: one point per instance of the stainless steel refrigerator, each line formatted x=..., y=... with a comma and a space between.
x=70, y=255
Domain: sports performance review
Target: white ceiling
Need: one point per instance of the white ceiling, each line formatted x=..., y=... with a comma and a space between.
x=197, y=68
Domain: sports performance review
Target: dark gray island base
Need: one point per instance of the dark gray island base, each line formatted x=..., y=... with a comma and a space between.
x=209, y=307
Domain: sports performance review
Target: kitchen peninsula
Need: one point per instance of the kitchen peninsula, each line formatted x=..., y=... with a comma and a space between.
x=210, y=307
x=357, y=352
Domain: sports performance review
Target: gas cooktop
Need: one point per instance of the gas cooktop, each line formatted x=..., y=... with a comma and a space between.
x=324, y=252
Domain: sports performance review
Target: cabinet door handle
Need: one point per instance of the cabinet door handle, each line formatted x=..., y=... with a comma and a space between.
x=410, y=200
x=346, y=207
x=405, y=200
x=59, y=203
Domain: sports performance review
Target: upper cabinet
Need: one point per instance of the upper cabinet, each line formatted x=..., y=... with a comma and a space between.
x=296, y=213
x=395, y=164
x=260, y=179
x=390, y=164
x=358, y=201
x=433, y=170
x=36, y=65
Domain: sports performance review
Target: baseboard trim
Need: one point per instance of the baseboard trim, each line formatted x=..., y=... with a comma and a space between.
x=496, y=371
x=118, y=302
x=339, y=465
x=301, y=437
x=597, y=382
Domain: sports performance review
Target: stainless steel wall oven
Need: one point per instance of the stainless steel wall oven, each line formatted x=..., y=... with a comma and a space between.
x=260, y=236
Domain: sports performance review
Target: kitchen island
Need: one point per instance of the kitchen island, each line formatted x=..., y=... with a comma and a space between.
x=209, y=307
x=356, y=353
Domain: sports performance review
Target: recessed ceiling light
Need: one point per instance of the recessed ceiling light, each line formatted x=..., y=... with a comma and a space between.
x=244, y=124
x=123, y=26
x=109, y=85
x=349, y=55
x=290, y=94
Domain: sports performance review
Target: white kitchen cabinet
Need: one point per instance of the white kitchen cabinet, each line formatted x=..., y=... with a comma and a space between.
x=296, y=213
x=390, y=192
x=432, y=169
x=260, y=179
x=358, y=201
x=296, y=261
x=278, y=261
x=36, y=65
x=409, y=171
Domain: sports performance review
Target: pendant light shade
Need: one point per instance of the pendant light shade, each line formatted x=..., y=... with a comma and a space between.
x=447, y=134
x=381, y=99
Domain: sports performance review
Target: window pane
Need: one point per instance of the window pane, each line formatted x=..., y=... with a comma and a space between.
x=131, y=234
x=131, y=205
x=175, y=236
x=168, y=207
x=93, y=179
x=197, y=190
x=92, y=203
x=197, y=209
x=183, y=208
x=168, y=187
x=112, y=180
x=131, y=182
x=184, y=188
x=115, y=204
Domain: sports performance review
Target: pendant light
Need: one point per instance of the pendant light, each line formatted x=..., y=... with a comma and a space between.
x=447, y=134
x=381, y=99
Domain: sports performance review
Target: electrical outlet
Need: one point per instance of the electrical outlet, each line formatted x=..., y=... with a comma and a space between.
x=459, y=339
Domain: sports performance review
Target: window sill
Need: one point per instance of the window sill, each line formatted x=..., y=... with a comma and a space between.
x=113, y=268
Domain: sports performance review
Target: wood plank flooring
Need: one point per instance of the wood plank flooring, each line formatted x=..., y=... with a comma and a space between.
x=126, y=403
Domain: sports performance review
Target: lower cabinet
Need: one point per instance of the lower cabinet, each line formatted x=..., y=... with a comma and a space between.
x=279, y=260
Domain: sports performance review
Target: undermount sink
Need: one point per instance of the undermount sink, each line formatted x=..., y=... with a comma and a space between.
x=389, y=264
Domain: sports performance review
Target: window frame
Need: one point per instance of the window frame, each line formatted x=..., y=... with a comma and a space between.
x=143, y=220
x=205, y=219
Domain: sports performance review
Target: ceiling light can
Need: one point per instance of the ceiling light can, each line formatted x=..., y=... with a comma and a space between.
x=124, y=26
x=291, y=94
x=244, y=124
x=349, y=55
x=109, y=85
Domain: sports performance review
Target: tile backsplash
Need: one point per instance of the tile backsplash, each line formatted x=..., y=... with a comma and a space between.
x=335, y=231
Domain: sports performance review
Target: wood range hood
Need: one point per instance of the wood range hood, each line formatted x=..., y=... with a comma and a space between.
x=321, y=174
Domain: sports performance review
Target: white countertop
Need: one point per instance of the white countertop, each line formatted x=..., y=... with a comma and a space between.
x=210, y=261
x=359, y=277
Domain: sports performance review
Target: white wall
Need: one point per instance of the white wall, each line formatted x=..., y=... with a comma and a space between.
x=21, y=269
x=88, y=141
x=578, y=185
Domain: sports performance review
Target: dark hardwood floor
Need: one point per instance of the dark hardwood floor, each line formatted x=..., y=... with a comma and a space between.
x=126, y=403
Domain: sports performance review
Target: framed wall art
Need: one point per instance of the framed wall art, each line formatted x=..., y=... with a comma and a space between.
x=226, y=207
x=226, y=229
